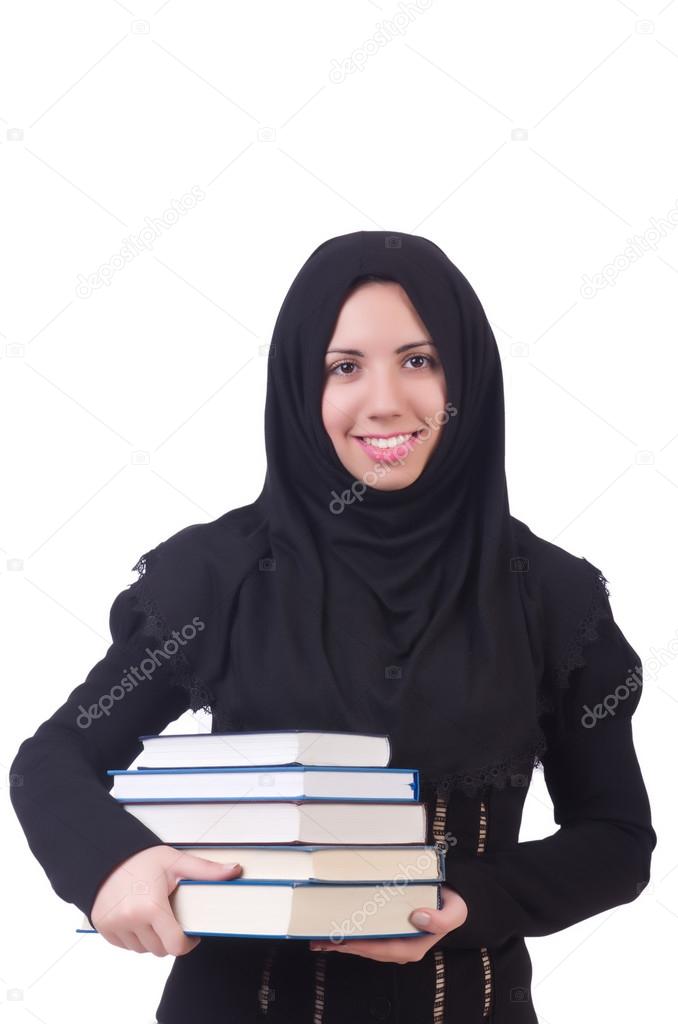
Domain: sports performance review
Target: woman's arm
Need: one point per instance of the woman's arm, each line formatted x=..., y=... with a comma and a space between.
x=58, y=782
x=600, y=857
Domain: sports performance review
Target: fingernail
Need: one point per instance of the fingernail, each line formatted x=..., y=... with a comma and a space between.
x=231, y=866
x=421, y=919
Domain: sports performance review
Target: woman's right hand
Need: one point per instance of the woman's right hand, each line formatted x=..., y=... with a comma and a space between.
x=132, y=908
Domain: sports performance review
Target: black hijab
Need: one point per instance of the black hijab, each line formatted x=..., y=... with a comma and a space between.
x=426, y=612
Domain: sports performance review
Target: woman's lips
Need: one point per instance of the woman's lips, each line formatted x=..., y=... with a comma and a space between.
x=399, y=451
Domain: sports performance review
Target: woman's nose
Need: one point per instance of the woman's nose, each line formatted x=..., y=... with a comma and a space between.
x=383, y=397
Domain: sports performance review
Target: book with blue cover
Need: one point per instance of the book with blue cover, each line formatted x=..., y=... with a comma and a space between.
x=289, y=782
x=300, y=910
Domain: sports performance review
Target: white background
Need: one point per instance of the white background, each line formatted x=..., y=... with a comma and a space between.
x=531, y=141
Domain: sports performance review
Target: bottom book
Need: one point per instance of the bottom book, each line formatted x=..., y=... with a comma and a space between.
x=299, y=910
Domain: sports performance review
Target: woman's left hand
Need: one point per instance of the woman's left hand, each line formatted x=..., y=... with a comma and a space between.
x=451, y=915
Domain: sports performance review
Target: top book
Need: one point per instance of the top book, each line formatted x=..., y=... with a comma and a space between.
x=279, y=747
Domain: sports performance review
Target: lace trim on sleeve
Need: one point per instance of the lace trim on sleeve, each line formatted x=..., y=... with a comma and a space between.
x=573, y=656
x=183, y=674
x=514, y=770
x=586, y=632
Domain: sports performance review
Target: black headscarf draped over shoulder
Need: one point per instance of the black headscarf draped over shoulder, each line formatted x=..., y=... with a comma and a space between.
x=428, y=612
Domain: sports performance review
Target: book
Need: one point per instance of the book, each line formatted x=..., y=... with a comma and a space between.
x=331, y=841
x=357, y=863
x=288, y=783
x=283, y=821
x=299, y=910
x=280, y=747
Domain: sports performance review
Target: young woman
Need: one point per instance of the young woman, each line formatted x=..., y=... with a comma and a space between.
x=378, y=584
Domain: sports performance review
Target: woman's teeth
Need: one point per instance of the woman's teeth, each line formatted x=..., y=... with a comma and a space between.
x=386, y=442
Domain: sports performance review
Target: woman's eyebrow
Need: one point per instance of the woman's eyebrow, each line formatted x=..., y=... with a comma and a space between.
x=356, y=352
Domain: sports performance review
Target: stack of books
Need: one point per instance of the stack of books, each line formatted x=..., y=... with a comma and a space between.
x=331, y=841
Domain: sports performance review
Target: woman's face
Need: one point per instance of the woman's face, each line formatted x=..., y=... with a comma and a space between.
x=383, y=378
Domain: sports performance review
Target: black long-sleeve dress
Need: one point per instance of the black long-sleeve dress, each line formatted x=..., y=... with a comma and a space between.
x=481, y=972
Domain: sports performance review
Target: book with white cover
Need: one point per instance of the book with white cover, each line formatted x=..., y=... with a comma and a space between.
x=287, y=783
x=283, y=821
x=282, y=746
x=299, y=910
x=357, y=863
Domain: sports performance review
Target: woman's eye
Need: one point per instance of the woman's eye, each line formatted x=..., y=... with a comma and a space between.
x=429, y=361
x=345, y=362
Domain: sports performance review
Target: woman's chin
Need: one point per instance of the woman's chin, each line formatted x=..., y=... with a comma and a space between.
x=380, y=476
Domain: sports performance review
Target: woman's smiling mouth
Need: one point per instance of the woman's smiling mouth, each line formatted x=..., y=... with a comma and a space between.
x=387, y=447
